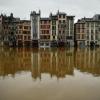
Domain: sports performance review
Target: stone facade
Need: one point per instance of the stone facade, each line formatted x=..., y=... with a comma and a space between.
x=8, y=30
x=35, y=27
x=23, y=33
x=45, y=32
x=55, y=31
x=87, y=31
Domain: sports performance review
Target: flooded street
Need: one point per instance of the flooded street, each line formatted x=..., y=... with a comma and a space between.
x=49, y=74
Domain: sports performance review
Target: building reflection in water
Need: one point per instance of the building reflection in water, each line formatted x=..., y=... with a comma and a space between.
x=88, y=60
x=14, y=61
x=55, y=62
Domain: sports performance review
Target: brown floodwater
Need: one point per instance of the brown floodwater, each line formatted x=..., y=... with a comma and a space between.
x=49, y=74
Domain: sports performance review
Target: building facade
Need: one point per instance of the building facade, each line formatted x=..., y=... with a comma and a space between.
x=80, y=34
x=45, y=32
x=35, y=28
x=56, y=30
x=8, y=29
x=87, y=31
x=1, y=30
x=62, y=29
x=23, y=33
x=70, y=31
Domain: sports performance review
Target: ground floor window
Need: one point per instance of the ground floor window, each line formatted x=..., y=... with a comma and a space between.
x=47, y=44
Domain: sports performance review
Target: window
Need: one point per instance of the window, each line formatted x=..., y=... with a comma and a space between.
x=54, y=32
x=92, y=25
x=53, y=27
x=45, y=22
x=96, y=37
x=82, y=25
x=83, y=30
x=40, y=26
x=20, y=36
x=87, y=42
x=47, y=31
x=48, y=26
x=87, y=24
x=96, y=31
x=91, y=31
x=25, y=27
x=41, y=22
x=47, y=44
x=59, y=21
x=20, y=27
x=24, y=32
x=53, y=37
x=25, y=37
x=63, y=21
x=63, y=26
x=83, y=36
x=29, y=37
x=78, y=36
x=19, y=32
x=59, y=16
x=42, y=44
x=63, y=32
x=87, y=37
x=91, y=37
x=48, y=37
x=53, y=22
x=64, y=16
x=87, y=31
x=59, y=32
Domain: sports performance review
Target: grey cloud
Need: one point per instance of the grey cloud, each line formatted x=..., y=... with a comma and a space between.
x=22, y=8
x=6, y=2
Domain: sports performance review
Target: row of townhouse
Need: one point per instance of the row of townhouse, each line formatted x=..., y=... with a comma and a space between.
x=87, y=31
x=54, y=31
x=14, y=32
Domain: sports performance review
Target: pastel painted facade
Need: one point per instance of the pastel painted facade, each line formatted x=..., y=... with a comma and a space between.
x=23, y=33
x=45, y=32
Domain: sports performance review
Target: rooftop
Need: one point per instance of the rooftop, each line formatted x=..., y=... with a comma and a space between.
x=45, y=18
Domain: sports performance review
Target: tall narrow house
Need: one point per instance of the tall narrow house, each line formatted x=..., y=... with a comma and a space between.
x=45, y=32
x=61, y=28
x=54, y=30
x=35, y=28
x=70, y=31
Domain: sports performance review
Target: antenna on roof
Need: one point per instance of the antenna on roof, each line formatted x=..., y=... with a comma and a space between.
x=58, y=11
x=39, y=11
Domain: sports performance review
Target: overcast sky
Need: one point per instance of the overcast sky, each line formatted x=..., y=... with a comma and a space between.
x=22, y=8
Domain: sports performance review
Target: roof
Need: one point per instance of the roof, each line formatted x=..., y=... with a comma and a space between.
x=83, y=20
x=70, y=16
x=45, y=19
x=54, y=17
x=24, y=21
x=34, y=13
